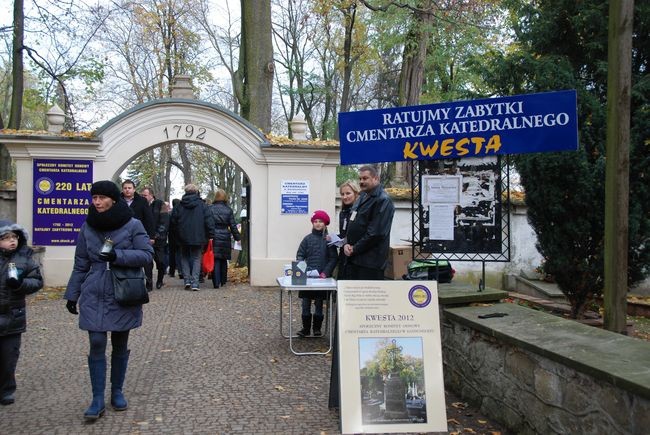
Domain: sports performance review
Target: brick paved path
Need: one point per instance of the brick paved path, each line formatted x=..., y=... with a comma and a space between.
x=207, y=362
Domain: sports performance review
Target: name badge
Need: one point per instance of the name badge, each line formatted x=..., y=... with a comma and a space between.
x=353, y=215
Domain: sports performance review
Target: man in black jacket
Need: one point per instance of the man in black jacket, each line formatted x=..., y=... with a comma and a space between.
x=161, y=226
x=142, y=212
x=368, y=236
x=194, y=226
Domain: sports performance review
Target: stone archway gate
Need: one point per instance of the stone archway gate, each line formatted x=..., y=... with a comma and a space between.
x=274, y=236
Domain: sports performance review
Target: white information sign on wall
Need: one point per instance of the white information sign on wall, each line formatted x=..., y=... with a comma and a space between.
x=441, y=194
x=441, y=221
x=294, y=196
x=441, y=189
x=391, y=357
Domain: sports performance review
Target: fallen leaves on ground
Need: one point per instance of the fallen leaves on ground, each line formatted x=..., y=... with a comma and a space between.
x=641, y=327
x=49, y=293
x=238, y=275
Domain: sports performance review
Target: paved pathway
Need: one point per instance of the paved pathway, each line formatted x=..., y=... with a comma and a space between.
x=206, y=362
x=210, y=362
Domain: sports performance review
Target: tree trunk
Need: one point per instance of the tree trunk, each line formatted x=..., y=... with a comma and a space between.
x=17, y=66
x=258, y=67
x=185, y=161
x=617, y=171
x=350, y=16
x=412, y=74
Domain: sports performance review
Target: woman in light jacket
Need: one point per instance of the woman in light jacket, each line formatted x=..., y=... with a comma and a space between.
x=91, y=288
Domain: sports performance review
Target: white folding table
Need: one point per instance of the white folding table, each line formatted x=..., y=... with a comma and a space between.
x=313, y=284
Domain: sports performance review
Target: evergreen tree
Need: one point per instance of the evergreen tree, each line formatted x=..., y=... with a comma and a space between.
x=562, y=44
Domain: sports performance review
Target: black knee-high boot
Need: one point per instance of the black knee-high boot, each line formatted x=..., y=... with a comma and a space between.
x=318, y=322
x=306, y=326
x=159, y=280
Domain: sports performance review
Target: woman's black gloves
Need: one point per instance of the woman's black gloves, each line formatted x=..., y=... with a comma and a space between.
x=72, y=307
x=108, y=256
x=14, y=282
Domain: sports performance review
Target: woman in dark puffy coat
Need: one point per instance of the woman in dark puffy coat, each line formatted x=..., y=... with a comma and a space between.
x=91, y=287
x=224, y=226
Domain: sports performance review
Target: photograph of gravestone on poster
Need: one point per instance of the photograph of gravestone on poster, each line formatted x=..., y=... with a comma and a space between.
x=392, y=374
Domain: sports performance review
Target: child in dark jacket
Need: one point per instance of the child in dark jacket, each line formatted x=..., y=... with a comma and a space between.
x=19, y=276
x=319, y=257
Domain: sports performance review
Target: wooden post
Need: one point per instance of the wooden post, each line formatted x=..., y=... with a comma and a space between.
x=617, y=189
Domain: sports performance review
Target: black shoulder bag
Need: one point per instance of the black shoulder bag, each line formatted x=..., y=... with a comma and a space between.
x=129, y=285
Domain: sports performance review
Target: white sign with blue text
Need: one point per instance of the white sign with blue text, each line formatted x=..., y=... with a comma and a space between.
x=390, y=357
x=295, y=197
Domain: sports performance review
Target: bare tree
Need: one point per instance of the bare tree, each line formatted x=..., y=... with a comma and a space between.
x=225, y=40
x=300, y=87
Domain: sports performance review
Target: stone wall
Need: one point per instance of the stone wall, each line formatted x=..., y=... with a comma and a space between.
x=533, y=394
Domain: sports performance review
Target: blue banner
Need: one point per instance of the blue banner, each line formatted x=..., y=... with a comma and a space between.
x=61, y=200
x=530, y=123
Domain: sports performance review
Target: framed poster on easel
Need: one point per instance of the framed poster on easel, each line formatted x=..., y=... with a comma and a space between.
x=390, y=357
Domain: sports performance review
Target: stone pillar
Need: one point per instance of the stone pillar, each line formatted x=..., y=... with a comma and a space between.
x=182, y=87
x=298, y=127
x=55, y=119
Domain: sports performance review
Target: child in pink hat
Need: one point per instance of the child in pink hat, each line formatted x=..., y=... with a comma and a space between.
x=314, y=251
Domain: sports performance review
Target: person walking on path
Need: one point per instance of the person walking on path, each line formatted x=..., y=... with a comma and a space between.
x=223, y=220
x=194, y=227
x=368, y=234
x=19, y=276
x=160, y=214
x=321, y=258
x=90, y=288
x=142, y=212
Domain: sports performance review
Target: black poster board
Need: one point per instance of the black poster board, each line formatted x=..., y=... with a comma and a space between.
x=480, y=218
